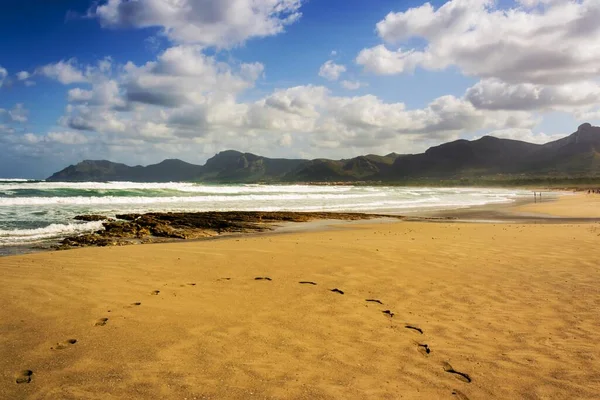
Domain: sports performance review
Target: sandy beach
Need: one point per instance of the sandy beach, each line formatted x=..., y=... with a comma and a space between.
x=570, y=205
x=463, y=311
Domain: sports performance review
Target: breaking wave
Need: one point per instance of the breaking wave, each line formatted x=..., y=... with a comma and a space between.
x=22, y=236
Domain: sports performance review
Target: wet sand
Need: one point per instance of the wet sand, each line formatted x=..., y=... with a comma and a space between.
x=512, y=308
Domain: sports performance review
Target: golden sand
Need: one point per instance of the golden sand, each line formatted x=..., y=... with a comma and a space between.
x=513, y=307
x=579, y=205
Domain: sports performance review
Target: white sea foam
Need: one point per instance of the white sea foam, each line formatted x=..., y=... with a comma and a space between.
x=176, y=186
x=119, y=200
x=16, y=180
x=20, y=236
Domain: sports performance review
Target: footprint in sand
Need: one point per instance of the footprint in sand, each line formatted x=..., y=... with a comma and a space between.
x=64, y=345
x=262, y=278
x=137, y=303
x=24, y=376
x=459, y=375
x=155, y=292
x=336, y=290
x=423, y=348
x=415, y=328
x=101, y=321
x=224, y=279
x=459, y=395
x=388, y=312
x=306, y=283
x=191, y=284
x=374, y=301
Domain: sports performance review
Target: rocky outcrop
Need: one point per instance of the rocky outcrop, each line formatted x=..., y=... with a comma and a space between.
x=160, y=227
x=91, y=218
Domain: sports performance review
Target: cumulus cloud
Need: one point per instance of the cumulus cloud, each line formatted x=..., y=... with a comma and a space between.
x=23, y=75
x=102, y=93
x=66, y=72
x=68, y=137
x=18, y=114
x=525, y=135
x=352, y=85
x=182, y=87
x=79, y=123
x=331, y=71
x=553, y=44
x=535, y=3
x=493, y=94
x=51, y=144
x=183, y=75
x=587, y=114
x=3, y=75
x=185, y=102
x=333, y=121
x=382, y=61
x=222, y=23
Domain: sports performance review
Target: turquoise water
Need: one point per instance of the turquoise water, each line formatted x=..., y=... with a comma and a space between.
x=33, y=212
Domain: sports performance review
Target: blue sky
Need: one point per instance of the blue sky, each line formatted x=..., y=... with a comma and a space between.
x=137, y=81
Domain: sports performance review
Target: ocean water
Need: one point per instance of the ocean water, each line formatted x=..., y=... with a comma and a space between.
x=34, y=212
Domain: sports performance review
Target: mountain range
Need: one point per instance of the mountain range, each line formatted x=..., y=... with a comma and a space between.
x=577, y=155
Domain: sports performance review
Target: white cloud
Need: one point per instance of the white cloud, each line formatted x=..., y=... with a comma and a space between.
x=535, y=3
x=185, y=102
x=3, y=75
x=184, y=75
x=69, y=71
x=222, y=23
x=553, y=44
x=23, y=75
x=331, y=71
x=49, y=139
x=494, y=94
x=5, y=130
x=332, y=121
x=382, y=61
x=183, y=88
x=586, y=115
x=18, y=114
x=66, y=72
x=99, y=118
x=251, y=72
x=352, y=85
x=103, y=93
x=528, y=3
x=67, y=137
x=525, y=135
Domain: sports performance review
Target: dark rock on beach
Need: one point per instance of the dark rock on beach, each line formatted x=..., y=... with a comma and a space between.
x=91, y=218
x=157, y=227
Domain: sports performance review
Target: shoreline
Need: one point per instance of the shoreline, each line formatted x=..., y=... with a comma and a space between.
x=31, y=226
x=519, y=211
